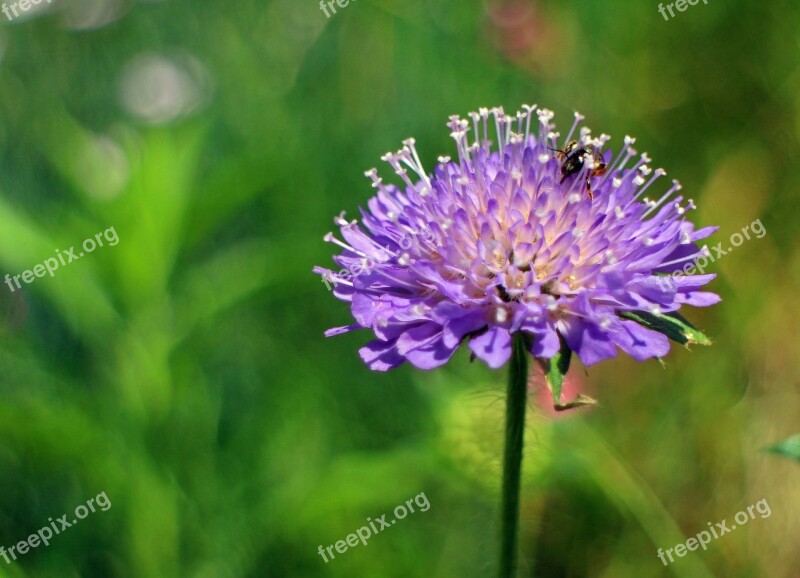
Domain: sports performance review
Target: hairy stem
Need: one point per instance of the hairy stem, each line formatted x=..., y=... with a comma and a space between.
x=512, y=460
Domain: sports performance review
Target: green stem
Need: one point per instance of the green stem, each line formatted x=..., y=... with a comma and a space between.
x=512, y=461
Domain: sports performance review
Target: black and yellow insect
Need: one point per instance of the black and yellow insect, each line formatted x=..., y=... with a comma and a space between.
x=573, y=158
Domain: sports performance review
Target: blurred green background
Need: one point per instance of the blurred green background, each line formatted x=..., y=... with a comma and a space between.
x=184, y=373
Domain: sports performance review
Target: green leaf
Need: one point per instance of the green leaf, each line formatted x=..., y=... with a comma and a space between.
x=788, y=448
x=673, y=325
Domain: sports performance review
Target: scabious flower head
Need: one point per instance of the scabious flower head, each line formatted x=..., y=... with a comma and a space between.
x=505, y=239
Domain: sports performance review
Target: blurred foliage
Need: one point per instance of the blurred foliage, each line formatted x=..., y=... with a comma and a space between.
x=183, y=371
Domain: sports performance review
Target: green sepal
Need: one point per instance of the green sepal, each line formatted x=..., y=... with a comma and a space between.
x=673, y=325
x=555, y=370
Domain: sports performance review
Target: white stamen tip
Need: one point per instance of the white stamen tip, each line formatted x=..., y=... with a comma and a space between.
x=545, y=115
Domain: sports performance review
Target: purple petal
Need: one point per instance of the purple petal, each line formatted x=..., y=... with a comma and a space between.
x=493, y=347
x=638, y=341
x=381, y=355
x=420, y=336
x=698, y=298
x=339, y=330
x=685, y=283
x=546, y=343
x=455, y=330
x=431, y=355
x=591, y=343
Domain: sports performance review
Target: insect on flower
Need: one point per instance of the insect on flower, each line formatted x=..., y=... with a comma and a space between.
x=573, y=158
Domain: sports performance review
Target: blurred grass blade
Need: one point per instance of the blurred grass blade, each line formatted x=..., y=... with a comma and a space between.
x=75, y=291
x=630, y=493
x=219, y=283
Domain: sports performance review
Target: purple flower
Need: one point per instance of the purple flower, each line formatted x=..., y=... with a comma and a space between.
x=519, y=237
